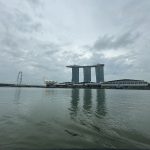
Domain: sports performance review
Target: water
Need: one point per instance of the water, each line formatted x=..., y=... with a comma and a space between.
x=74, y=118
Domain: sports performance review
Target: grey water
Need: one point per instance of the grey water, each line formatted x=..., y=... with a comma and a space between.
x=34, y=118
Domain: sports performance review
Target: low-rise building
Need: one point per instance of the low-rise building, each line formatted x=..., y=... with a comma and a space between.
x=125, y=83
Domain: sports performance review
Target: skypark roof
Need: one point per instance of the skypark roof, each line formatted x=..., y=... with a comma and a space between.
x=78, y=66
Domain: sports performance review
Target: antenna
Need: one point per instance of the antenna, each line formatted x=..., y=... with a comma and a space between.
x=19, y=78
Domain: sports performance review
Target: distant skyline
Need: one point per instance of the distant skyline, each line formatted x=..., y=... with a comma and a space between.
x=41, y=37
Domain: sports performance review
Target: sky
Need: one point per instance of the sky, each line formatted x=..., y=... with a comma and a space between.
x=41, y=37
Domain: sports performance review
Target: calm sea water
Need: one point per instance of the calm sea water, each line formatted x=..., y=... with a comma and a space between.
x=74, y=118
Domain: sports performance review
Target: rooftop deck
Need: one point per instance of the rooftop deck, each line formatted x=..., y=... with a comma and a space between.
x=78, y=66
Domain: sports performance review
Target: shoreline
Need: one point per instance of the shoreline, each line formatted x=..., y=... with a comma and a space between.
x=74, y=86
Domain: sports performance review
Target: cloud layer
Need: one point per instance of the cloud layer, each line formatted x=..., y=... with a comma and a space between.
x=40, y=38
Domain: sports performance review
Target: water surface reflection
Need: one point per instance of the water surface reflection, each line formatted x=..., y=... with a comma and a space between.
x=74, y=102
x=89, y=98
x=100, y=99
x=17, y=95
x=42, y=120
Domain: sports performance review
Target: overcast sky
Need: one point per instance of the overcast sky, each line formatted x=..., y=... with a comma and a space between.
x=41, y=37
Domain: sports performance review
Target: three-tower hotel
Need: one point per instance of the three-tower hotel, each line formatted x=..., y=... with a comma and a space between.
x=99, y=71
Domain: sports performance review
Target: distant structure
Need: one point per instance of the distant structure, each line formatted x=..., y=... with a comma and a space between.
x=125, y=83
x=19, y=78
x=99, y=70
x=50, y=82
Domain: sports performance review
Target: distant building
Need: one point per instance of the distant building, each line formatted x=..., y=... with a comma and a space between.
x=50, y=82
x=99, y=70
x=125, y=83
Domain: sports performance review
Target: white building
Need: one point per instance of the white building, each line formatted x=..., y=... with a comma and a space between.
x=125, y=83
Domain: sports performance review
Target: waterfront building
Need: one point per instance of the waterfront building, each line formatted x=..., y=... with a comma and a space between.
x=50, y=82
x=87, y=74
x=99, y=71
x=75, y=74
x=125, y=83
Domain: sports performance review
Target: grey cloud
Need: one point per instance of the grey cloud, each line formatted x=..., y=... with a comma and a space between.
x=17, y=20
x=17, y=28
x=136, y=14
x=50, y=48
x=35, y=44
x=25, y=23
x=10, y=46
x=114, y=67
x=34, y=2
x=112, y=42
x=39, y=66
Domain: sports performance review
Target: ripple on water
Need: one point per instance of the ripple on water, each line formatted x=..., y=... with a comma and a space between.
x=71, y=118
